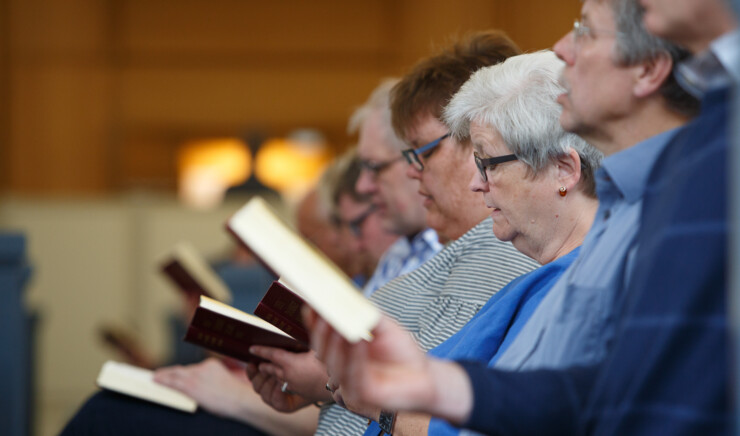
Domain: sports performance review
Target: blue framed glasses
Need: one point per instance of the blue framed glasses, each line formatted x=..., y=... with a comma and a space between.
x=412, y=155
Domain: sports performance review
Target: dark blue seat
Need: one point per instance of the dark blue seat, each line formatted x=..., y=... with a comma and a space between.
x=17, y=326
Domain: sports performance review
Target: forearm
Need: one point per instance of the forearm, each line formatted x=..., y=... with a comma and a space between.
x=411, y=424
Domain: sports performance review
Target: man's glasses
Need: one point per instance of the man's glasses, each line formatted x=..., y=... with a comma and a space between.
x=582, y=31
x=412, y=155
x=355, y=225
x=376, y=167
x=490, y=163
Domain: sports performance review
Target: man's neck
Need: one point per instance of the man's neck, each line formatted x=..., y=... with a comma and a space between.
x=637, y=127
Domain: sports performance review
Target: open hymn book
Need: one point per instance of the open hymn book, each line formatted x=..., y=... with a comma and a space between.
x=309, y=272
x=227, y=330
x=139, y=383
x=191, y=273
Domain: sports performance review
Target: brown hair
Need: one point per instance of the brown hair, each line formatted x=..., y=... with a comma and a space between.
x=433, y=81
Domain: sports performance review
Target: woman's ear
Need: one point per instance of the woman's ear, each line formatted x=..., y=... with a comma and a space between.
x=568, y=170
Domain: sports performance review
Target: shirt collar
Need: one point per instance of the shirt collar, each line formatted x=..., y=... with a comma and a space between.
x=427, y=237
x=712, y=69
x=628, y=169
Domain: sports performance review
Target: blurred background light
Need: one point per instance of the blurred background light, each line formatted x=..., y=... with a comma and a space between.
x=207, y=168
x=292, y=165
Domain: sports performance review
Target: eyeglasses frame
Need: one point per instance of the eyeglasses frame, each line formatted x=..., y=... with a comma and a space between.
x=412, y=155
x=484, y=164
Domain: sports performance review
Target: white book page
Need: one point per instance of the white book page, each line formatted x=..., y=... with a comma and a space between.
x=139, y=382
x=321, y=283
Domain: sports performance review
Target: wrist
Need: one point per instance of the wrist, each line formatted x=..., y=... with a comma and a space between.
x=387, y=420
x=452, y=396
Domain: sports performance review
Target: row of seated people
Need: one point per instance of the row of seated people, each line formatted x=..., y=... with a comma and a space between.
x=582, y=316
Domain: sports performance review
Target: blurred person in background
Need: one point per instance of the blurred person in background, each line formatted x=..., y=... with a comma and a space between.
x=223, y=392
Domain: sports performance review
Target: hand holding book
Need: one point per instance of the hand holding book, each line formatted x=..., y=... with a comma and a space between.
x=312, y=276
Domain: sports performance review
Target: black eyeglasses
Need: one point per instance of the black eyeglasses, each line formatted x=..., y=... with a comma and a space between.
x=376, y=167
x=355, y=225
x=490, y=163
x=412, y=155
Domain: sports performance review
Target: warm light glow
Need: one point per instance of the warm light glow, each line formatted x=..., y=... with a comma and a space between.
x=207, y=168
x=288, y=165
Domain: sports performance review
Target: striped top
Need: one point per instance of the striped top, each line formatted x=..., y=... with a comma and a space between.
x=438, y=298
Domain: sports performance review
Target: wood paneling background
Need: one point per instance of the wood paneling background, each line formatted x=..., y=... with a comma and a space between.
x=96, y=95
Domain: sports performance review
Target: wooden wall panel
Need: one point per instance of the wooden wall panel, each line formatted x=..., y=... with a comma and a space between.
x=424, y=25
x=536, y=24
x=58, y=31
x=4, y=96
x=228, y=26
x=242, y=97
x=61, y=119
x=93, y=83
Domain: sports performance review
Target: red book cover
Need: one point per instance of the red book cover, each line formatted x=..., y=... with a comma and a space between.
x=216, y=329
x=184, y=281
x=281, y=307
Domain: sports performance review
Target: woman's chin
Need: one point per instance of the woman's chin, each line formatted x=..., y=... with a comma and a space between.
x=501, y=234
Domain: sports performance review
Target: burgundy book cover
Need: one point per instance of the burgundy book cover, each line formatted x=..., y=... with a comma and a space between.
x=182, y=278
x=233, y=338
x=281, y=307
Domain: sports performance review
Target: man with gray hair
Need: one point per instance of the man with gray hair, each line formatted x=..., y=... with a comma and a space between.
x=631, y=120
x=394, y=196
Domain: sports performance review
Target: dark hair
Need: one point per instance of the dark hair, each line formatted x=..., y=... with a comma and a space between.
x=432, y=82
x=340, y=178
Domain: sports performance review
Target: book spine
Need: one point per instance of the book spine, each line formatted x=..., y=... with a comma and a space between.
x=287, y=325
x=284, y=301
x=182, y=278
x=233, y=338
x=221, y=344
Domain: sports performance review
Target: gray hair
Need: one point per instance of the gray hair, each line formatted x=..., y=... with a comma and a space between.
x=379, y=100
x=518, y=99
x=634, y=44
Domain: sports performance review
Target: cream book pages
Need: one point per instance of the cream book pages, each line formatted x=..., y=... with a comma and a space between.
x=234, y=313
x=307, y=271
x=139, y=383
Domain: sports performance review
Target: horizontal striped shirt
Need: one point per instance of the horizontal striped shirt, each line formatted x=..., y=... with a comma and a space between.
x=439, y=298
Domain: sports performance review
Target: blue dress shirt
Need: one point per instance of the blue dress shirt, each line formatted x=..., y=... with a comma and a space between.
x=574, y=323
x=403, y=257
x=668, y=371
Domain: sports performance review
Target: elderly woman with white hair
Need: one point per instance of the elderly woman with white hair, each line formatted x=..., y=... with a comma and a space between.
x=538, y=182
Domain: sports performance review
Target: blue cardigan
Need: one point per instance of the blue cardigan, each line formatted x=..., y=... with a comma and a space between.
x=496, y=325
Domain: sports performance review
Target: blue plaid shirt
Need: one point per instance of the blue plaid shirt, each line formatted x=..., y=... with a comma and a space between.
x=403, y=257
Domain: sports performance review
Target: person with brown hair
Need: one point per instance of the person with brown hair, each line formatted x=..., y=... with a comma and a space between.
x=438, y=298
x=417, y=102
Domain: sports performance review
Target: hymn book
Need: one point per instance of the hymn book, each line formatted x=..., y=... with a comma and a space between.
x=320, y=283
x=191, y=273
x=281, y=307
x=229, y=331
x=138, y=382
